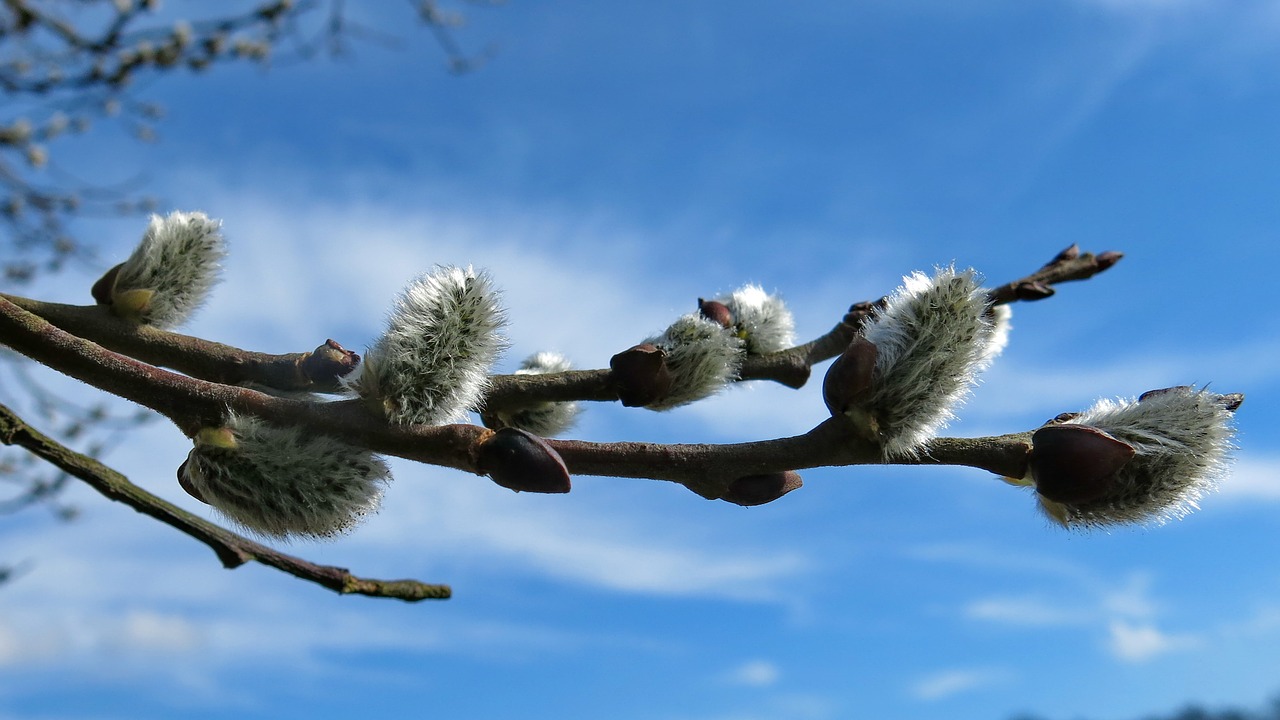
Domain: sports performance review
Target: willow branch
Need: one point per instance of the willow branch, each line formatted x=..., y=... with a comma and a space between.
x=232, y=550
x=314, y=371
x=791, y=367
x=321, y=369
x=705, y=468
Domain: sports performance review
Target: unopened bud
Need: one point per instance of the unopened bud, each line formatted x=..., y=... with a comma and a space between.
x=849, y=379
x=716, y=312
x=103, y=288
x=755, y=490
x=328, y=362
x=640, y=375
x=1032, y=291
x=521, y=461
x=1108, y=258
x=1070, y=253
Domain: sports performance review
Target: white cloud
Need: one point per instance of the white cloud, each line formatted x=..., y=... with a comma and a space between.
x=1253, y=478
x=754, y=673
x=1132, y=599
x=1137, y=643
x=1123, y=612
x=946, y=683
x=151, y=631
x=1023, y=611
x=595, y=541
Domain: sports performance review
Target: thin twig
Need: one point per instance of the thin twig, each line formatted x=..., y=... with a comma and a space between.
x=232, y=550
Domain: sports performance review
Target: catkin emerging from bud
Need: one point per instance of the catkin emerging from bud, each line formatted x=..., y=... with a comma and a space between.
x=701, y=355
x=170, y=273
x=1182, y=442
x=761, y=320
x=546, y=419
x=432, y=364
x=931, y=339
x=283, y=481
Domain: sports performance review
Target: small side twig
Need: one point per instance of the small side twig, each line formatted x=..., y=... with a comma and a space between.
x=320, y=370
x=232, y=549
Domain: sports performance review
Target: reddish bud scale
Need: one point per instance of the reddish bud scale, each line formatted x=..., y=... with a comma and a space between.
x=640, y=375
x=328, y=362
x=716, y=312
x=521, y=461
x=1075, y=464
x=755, y=490
x=101, y=290
x=186, y=485
x=849, y=379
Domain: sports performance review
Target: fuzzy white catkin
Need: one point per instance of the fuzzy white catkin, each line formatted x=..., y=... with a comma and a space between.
x=546, y=419
x=761, y=320
x=1001, y=317
x=283, y=482
x=179, y=260
x=432, y=363
x=932, y=338
x=702, y=358
x=1182, y=441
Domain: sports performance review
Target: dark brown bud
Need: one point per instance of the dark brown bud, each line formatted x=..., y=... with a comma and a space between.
x=716, y=312
x=521, y=461
x=849, y=379
x=1074, y=464
x=328, y=362
x=860, y=312
x=639, y=375
x=101, y=290
x=1032, y=291
x=185, y=483
x=1070, y=253
x=755, y=490
x=1107, y=259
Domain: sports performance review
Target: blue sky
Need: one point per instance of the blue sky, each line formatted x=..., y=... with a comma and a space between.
x=610, y=165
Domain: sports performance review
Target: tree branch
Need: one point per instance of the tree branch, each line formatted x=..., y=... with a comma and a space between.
x=321, y=369
x=316, y=371
x=706, y=469
x=232, y=550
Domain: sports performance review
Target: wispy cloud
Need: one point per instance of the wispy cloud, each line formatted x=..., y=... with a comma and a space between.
x=1139, y=642
x=1253, y=478
x=753, y=673
x=1123, y=612
x=1023, y=611
x=597, y=542
x=946, y=683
